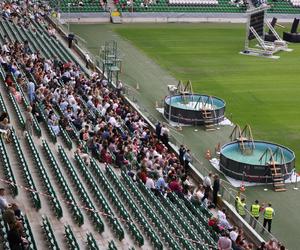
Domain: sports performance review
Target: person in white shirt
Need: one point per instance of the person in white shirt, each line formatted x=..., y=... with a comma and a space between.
x=150, y=183
x=221, y=214
x=207, y=185
x=234, y=234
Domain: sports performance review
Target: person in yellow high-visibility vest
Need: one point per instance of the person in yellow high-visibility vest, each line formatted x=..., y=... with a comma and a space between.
x=240, y=206
x=268, y=216
x=255, y=210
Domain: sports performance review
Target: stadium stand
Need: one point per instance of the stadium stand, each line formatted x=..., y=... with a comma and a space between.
x=85, y=6
x=201, y=6
x=80, y=110
x=220, y=6
x=181, y=6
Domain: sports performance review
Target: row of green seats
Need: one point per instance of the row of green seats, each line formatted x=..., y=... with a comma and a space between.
x=112, y=246
x=169, y=222
x=91, y=242
x=169, y=240
x=61, y=51
x=82, y=193
x=28, y=233
x=197, y=212
x=71, y=239
x=43, y=174
x=66, y=138
x=17, y=110
x=75, y=211
x=109, y=215
x=137, y=214
x=7, y=169
x=50, y=43
x=26, y=173
x=85, y=9
x=200, y=227
x=2, y=105
x=103, y=182
x=50, y=237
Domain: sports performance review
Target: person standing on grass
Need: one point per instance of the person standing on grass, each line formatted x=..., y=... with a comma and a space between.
x=29, y=120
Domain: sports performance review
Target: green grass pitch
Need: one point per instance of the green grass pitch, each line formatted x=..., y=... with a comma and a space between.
x=264, y=93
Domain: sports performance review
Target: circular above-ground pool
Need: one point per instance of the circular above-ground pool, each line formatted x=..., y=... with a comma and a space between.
x=249, y=167
x=194, y=109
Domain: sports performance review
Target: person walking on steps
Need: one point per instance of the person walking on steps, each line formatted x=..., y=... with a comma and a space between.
x=255, y=210
x=268, y=217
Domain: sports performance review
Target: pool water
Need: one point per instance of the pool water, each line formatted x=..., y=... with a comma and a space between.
x=192, y=105
x=195, y=102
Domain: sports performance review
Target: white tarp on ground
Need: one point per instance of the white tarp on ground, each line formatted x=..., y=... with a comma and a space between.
x=237, y=183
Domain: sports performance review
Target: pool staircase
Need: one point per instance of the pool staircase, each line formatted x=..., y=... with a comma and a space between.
x=208, y=113
x=277, y=176
x=244, y=138
x=275, y=160
x=208, y=119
